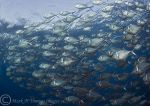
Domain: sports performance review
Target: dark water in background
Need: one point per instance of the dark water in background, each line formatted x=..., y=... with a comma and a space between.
x=16, y=92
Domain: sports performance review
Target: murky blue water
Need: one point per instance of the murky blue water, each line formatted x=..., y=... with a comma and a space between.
x=133, y=84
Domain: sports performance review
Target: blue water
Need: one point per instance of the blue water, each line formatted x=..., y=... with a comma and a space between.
x=12, y=89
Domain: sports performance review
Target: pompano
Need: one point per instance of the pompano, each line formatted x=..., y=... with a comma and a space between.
x=148, y=7
x=127, y=14
x=87, y=29
x=24, y=43
x=46, y=46
x=133, y=29
x=65, y=13
x=37, y=74
x=66, y=61
x=141, y=66
x=137, y=47
x=72, y=99
x=56, y=82
x=103, y=58
x=107, y=9
x=19, y=32
x=49, y=15
x=44, y=66
x=129, y=3
x=95, y=42
x=72, y=40
x=97, y=2
x=122, y=54
x=90, y=50
x=69, y=47
x=70, y=18
x=91, y=15
x=113, y=27
x=146, y=78
x=119, y=1
x=105, y=15
x=68, y=53
x=82, y=6
x=141, y=22
x=139, y=5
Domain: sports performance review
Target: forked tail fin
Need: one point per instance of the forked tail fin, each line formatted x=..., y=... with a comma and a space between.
x=133, y=52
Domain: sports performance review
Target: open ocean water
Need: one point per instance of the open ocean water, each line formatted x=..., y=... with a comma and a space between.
x=97, y=55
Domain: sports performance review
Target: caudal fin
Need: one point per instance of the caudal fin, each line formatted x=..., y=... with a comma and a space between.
x=133, y=53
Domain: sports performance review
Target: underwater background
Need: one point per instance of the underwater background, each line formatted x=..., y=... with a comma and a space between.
x=95, y=55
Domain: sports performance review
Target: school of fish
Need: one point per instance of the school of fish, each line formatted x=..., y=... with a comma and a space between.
x=99, y=53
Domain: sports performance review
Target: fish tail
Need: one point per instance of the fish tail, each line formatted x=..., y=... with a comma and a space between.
x=91, y=8
x=133, y=52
